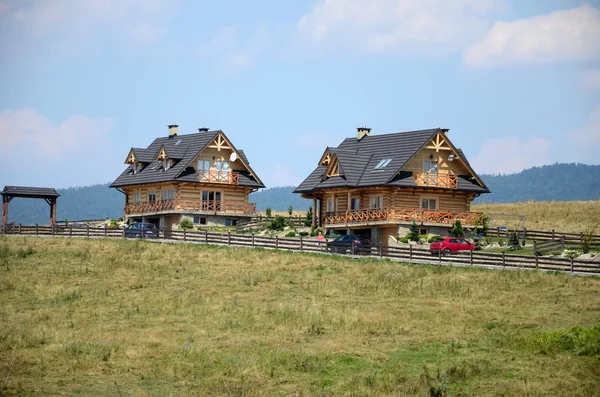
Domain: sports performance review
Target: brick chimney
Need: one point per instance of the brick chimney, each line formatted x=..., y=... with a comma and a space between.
x=363, y=132
x=173, y=129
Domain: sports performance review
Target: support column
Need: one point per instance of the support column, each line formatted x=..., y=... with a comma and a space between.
x=53, y=211
x=5, y=201
x=314, y=212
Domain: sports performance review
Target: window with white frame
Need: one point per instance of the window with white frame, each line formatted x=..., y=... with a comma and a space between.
x=355, y=204
x=167, y=194
x=331, y=205
x=376, y=202
x=429, y=203
x=151, y=196
x=137, y=197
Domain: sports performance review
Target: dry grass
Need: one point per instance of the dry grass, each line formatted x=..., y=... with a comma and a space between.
x=95, y=317
x=564, y=216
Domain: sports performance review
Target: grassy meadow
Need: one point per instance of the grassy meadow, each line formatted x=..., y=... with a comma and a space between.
x=564, y=216
x=134, y=318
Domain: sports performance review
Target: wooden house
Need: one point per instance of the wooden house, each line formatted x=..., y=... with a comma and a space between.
x=200, y=176
x=377, y=185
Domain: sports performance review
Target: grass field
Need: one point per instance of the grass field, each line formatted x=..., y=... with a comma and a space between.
x=133, y=318
x=564, y=216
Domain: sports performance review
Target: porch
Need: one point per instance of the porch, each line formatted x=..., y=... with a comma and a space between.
x=191, y=206
x=383, y=216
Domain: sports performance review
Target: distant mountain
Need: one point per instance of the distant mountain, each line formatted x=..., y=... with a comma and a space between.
x=557, y=182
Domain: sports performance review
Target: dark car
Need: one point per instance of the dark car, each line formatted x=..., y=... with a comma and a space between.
x=350, y=244
x=141, y=229
x=450, y=245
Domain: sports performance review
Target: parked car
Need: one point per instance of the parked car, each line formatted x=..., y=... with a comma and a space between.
x=141, y=229
x=344, y=244
x=450, y=245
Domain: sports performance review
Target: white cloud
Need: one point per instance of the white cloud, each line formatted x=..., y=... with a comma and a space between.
x=29, y=129
x=225, y=47
x=432, y=27
x=73, y=23
x=511, y=154
x=561, y=36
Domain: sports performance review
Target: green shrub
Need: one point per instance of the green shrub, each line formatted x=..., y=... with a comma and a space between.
x=278, y=223
x=290, y=210
x=309, y=215
x=457, y=229
x=304, y=234
x=268, y=212
x=404, y=240
x=413, y=234
x=291, y=233
x=513, y=241
x=186, y=223
x=432, y=239
x=588, y=239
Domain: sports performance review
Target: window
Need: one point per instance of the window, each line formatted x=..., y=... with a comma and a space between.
x=167, y=194
x=169, y=164
x=203, y=165
x=137, y=197
x=137, y=167
x=429, y=204
x=231, y=222
x=151, y=197
x=211, y=200
x=382, y=164
x=200, y=220
x=203, y=221
x=331, y=205
x=222, y=165
x=377, y=202
x=355, y=204
x=430, y=167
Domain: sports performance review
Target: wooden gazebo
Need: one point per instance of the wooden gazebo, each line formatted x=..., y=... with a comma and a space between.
x=48, y=194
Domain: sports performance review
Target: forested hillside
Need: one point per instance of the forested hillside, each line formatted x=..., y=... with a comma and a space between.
x=557, y=182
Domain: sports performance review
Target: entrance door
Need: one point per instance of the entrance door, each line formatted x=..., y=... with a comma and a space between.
x=211, y=200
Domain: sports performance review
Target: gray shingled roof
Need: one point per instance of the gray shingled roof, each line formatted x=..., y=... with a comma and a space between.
x=358, y=159
x=27, y=191
x=183, y=148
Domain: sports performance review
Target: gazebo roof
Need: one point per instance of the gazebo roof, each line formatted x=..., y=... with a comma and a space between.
x=29, y=192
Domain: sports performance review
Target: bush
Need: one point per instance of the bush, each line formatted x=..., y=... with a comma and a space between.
x=309, y=215
x=513, y=241
x=290, y=210
x=186, y=223
x=278, y=223
x=588, y=239
x=432, y=239
x=268, y=212
x=291, y=233
x=457, y=229
x=304, y=234
x=404, y=240
x=413, y=234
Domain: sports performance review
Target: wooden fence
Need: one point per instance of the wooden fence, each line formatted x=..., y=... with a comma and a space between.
x=409, y=254
x=540, y=235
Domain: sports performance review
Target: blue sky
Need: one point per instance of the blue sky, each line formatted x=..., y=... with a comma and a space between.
x=82, y=81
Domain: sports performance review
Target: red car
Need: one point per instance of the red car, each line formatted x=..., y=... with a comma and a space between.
x=449, y=245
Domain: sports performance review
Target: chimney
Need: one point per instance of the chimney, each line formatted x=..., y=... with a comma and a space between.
x=203, y=129
x=173, y=130
x=363, y=132
x=445, y=131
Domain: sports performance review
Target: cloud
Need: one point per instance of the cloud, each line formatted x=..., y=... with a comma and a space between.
x=561, y=36
x=29, y=129
x=511, y=154
x=432, y=27
x=75, y=24
x=226, y=49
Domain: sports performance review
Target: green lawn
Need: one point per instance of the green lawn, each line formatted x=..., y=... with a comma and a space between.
x=133, y=318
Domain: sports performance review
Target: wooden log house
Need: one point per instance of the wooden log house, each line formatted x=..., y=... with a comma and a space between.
x=377, y=185
x=199, y=176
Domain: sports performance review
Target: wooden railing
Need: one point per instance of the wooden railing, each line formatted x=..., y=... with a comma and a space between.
x=434, y=179
x=214, y=176
x=407, y=215
x=192, y=206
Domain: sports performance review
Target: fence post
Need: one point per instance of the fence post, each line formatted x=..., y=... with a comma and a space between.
x=581, y=238
x=228, y=237
x=105, y=230
x=440, y=256
x=552, y=234
x=410, y=252
x=19, y=228
x=252, y=239
x=87, y=230
x=184, y=234
x=52, y=229
x=380, y=249
x=123, y=232
x=36, y=229
x=276, y=242
x=301, y=247
x=534, y=247
x=352, y=248
x=498, y=231
x=471, y=257
x=205, y=236
x=524, y=235
x=536, y=261
x=571, y=263
x=503, y=260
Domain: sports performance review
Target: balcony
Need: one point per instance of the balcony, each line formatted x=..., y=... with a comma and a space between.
x=199, y=206
x=402, y=215
x=213, y=176
x=435, y=180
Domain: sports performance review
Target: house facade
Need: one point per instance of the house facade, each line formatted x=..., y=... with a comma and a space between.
x=200, y=176
x=377, y=185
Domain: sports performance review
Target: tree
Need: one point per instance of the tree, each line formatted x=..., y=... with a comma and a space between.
x=513, y=241
x=457, y=229
x=278, y=223
x=290, y=210
x=268, y=212
x=413, y=234
x=309, y=216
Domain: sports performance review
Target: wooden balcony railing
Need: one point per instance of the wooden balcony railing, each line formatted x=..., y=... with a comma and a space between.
x=214, y=176
x=407, y=215
x=228, y=207
x=434, y=179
